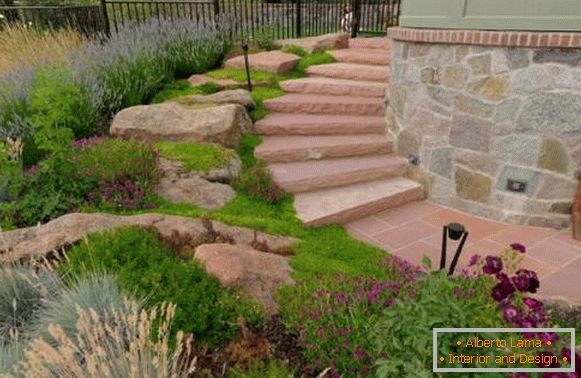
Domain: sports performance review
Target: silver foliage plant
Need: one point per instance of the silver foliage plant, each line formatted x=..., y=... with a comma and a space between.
x=123, y=70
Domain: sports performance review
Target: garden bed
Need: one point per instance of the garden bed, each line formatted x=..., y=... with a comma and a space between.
x=350, y=300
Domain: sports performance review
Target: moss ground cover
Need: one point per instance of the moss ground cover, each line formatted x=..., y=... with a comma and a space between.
x=149, y=268
x=196, y=156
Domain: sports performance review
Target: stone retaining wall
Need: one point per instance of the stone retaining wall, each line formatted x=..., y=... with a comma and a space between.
x=478, y=116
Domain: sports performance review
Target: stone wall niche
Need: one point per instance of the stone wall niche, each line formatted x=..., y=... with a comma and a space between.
x=481, y=109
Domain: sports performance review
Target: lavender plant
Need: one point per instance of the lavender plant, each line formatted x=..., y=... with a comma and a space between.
x=97, y=79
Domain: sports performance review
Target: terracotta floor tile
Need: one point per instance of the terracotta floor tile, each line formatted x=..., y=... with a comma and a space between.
x=528, y=236
x=483, y=248
x=478, y=228
x=415, y=230
x=407, y=213
x=554, y=252
x=416, y=251
x=543, y=270
x=408, y=233
x=563, y=283
x=369, y=225
x=567, y=237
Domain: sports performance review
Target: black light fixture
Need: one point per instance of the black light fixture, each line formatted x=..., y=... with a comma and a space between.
x=247, y=65
x=454, y=231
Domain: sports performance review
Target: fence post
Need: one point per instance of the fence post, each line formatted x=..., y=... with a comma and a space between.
x=356, y=15
x=105, y=18
x=298, y=18
x=216, y=9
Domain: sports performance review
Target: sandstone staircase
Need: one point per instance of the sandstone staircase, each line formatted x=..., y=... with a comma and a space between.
x=325, y=141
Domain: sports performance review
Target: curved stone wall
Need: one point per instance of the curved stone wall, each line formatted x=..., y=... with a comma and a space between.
x=481, y=115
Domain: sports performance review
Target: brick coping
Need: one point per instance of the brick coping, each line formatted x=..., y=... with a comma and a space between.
x=488, y=38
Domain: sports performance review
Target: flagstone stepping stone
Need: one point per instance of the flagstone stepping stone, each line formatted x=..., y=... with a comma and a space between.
x=275, y=62
x=197, y=80
x=235, y=96
x=318, y=43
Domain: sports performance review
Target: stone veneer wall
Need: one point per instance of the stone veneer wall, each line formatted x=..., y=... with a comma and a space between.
x=477, y=115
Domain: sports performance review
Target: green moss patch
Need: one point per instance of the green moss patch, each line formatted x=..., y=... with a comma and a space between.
x=196, y=156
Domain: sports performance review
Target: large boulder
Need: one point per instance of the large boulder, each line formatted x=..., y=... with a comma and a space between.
x=235, y=96
x=41, y=241
x=318, y=43
x=225, y=175
x=259, y=274
x=276, y=62
x=223, y=124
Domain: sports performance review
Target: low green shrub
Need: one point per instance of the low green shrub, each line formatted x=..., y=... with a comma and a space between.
x=196, y=156
x=110, y=174
x=256, y=181
x=350, y=324
x=294, y=49
x=402, y=333
x=147, y=267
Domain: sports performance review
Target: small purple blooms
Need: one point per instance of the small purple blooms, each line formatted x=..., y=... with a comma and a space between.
x=492, y=265
x=359, y=353
x=511, y=313
x=518, y=247
x=532, y=303
x=474, y=259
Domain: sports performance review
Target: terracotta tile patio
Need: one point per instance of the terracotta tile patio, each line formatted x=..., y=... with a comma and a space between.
x=414, y=230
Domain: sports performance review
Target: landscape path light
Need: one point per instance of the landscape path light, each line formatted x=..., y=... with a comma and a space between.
x=454, y=231
x=247, y=65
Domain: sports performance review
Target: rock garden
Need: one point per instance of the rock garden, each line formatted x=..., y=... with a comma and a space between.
x=140, y=236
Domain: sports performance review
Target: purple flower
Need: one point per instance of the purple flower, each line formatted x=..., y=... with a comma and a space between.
x=474, y=259
x=511, y=313
x=526, y=281
x=341, y=298
x=532, y=303
x=359, y=353
x=492, y=265
x=372, y=295
x=335, y=374
x=549, y=336
x=518, y=247
x=502, y=291
x=320, y=331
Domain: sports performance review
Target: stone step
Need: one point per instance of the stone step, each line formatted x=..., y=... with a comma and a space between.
x=305, y=176
x=275, y=61
x=355, y=201
x=334, y=87
x=275, y=149
x=321, y=104
x=315, y=124
x=373, y=57
x=380, y=43
x=351, y=71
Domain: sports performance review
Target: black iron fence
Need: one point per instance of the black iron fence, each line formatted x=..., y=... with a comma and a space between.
x=86, y=19
x=249, y=18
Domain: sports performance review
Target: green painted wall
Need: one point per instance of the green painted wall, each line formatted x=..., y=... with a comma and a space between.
x=553, y=15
